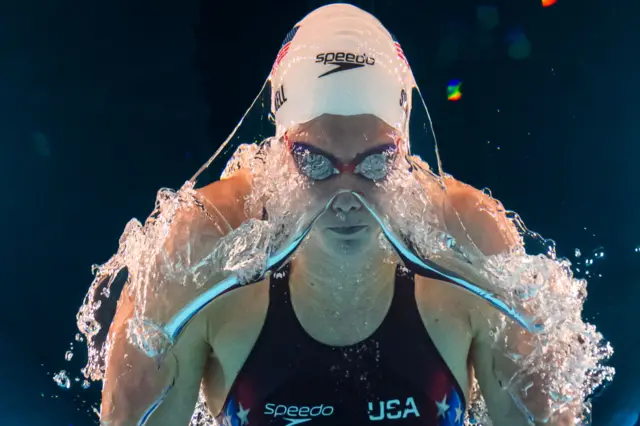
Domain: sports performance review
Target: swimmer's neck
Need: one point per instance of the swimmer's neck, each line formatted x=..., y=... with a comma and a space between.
x=336, y=281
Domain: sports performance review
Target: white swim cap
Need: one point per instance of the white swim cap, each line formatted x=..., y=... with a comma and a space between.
x=340, y=60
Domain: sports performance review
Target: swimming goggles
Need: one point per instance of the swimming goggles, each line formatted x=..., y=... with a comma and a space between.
x=316, y=164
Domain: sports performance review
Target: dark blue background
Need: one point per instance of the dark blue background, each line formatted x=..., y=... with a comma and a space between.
x=104, y=102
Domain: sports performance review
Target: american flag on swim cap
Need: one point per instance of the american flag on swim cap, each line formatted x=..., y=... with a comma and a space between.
x=399, y=50
x=284, y=49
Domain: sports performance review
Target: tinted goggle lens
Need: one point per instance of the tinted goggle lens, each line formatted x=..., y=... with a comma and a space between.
x=314, y=164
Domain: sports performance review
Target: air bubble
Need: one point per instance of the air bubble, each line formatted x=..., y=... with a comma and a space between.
x=62, y=380
x=598, y=253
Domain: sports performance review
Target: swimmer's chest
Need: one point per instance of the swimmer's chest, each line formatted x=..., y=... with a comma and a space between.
x=235, y=324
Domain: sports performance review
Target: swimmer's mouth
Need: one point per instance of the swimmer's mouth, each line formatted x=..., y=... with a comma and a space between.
x=347, y=230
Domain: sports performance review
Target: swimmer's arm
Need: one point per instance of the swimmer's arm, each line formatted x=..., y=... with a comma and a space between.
x=473, y=216
x=493, y=369
x=135, y=383
x=227, y=197
x=476, y=220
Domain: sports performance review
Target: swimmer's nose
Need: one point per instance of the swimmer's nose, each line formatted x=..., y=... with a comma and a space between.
x=346, y=202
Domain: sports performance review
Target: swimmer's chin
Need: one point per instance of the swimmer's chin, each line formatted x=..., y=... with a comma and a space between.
x=348, y=243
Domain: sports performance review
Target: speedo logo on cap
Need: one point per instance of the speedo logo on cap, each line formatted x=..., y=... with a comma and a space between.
x=343, y=61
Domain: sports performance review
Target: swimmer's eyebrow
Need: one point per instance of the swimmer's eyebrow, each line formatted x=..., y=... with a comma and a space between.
x=359, y=156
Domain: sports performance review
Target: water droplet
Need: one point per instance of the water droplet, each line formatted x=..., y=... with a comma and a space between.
x=79, y=337
x=577, y=253
x=85, y=384
x=106, y=292
x=90, y=327
x=62, y=379
x=68, y=355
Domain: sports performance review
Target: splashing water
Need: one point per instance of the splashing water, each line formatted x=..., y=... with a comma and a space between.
x=62, y=379
x=186, y=246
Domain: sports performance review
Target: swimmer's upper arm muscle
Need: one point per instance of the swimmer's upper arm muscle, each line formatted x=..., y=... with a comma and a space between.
x=474, y=217
x=473, y=220
x=490, y=365
x=135, y=382
x=493, y=368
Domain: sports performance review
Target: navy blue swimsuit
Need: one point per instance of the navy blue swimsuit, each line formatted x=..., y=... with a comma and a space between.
x=394, y=377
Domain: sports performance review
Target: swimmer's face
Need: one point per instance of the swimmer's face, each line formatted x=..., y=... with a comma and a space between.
x=343, y=145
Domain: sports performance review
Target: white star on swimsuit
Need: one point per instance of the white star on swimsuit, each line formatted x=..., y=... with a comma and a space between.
x=226, y=421
x=242, y=415
x=458, y=414
x=443, y=407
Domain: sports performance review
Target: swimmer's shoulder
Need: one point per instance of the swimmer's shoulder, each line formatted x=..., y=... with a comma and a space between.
x=237, y=314
x=247, y=304
x=228, y=196
x=436, y=296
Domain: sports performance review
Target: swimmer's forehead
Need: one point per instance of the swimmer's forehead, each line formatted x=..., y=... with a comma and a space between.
x=344, y=136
